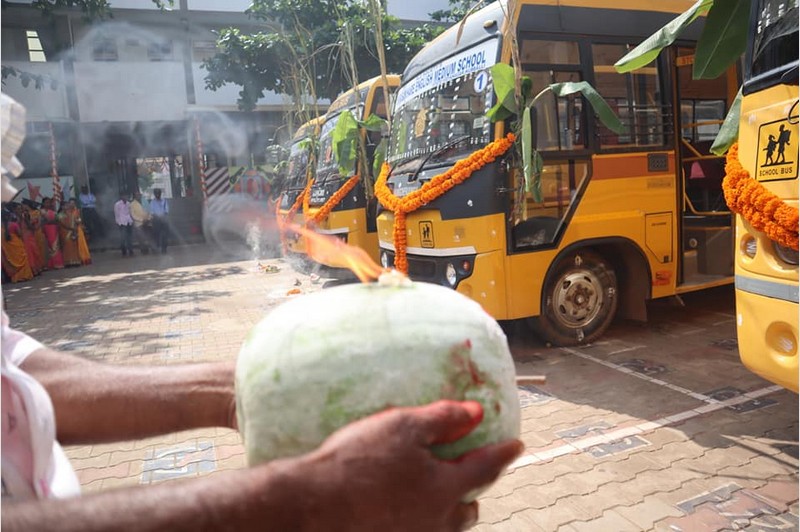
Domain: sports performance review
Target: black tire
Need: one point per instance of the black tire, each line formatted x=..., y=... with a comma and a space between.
x=579, y=300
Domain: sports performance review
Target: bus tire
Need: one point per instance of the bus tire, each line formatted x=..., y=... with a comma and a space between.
x=579, y=300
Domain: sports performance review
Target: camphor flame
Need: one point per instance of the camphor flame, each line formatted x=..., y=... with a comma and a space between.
x=334, y=252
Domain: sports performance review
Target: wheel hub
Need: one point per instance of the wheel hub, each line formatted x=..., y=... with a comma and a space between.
x=578, y=299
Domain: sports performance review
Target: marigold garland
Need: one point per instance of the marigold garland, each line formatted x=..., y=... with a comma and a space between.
x=281, y=220
x=304, y=199
x=762, y=209
x=431, y=190
x=333, y=201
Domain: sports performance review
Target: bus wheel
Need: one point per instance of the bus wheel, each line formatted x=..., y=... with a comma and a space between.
x=579, y=300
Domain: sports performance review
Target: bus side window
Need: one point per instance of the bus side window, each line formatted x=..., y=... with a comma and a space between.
x=560, y=121
x=635, y=98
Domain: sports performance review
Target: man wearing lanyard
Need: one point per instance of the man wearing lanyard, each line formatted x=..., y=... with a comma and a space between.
x=89, y=213
x=159, y=209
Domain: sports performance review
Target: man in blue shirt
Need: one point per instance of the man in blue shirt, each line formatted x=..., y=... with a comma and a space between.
x=159, y=210
x=91, y=220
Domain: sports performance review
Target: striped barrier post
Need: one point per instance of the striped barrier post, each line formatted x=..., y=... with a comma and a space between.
x=57, y=194
x=200, y=164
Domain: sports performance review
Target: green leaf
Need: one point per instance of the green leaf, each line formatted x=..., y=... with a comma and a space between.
x=344, y=139
x=600, y=106
x=527, y=88
x=538, y=165
x=498, y=113
x=380, y=157
x=649, y=49
x=527, y=146
x=373, y=123
x=504, y=81
x=306, y=144
x=723, y=40
x=729, y=131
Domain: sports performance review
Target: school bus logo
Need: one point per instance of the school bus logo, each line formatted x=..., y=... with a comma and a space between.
x=777, y=151
x=426, y=234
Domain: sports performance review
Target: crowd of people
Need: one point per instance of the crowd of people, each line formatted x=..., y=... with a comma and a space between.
x=50, y=236
x=42, y=236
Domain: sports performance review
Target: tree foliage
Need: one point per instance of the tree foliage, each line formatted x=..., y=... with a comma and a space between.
x=308, y=34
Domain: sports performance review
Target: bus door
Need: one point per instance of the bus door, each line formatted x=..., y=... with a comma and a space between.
x=706, y=223
x=561, y=138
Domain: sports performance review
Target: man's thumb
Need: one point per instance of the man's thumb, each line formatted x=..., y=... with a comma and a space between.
x=446, y=421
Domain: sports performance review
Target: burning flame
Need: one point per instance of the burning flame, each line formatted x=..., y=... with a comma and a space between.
x=336, y=253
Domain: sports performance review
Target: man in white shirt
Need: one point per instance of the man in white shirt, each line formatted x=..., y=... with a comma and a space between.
x=122, y=215
x=375, y=474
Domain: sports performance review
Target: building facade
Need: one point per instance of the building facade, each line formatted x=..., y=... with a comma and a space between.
x=121, y=104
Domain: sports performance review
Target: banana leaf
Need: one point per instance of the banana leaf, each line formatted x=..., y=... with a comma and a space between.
x=526, y=141
x=504, y=81
x=729, y=131
x=600, y=106
x=723, y=40
x=380, y=157
x=536, y=183
x=373, y=123
x=344, y=139
x=649, y=49
x=305, y=145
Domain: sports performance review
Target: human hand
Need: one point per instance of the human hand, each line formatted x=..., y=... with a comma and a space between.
x=379, y=473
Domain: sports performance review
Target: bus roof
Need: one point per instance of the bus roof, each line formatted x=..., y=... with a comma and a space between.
x=306, y=129
x=346, y=99
x=632, y=19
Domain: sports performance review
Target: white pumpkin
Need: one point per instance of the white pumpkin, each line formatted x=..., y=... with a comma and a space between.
x=325, y=359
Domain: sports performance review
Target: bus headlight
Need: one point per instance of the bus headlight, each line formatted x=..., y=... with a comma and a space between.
x=787, y=255
x=384, y=259
x=749, y=246
x=450, y=274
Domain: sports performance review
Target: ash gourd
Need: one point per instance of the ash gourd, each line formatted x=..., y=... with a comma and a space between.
x=320, y=361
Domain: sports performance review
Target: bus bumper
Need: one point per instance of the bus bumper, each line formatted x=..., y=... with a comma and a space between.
x=478, y=276
x=767, y=336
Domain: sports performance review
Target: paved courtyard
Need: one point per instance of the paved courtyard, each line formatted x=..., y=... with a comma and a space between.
x=655, y=427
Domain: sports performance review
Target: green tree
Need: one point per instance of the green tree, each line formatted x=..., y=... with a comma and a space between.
x=308, y=34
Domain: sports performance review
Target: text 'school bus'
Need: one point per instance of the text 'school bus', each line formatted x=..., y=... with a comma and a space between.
x=352, y=218
x=766, y=266
x=623, y=218
x=300, y=171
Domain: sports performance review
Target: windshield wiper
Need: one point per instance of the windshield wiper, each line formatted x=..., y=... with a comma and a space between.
x=436, y=152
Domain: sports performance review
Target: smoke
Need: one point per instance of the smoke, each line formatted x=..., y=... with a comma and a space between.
x=237, y=223
x=131, y=83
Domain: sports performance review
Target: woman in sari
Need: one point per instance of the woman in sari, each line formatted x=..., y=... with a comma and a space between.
x=29, y=240
x=15, y=260
x=38, y=231
x=55, y=259
x=68, y=234
x=83, y=246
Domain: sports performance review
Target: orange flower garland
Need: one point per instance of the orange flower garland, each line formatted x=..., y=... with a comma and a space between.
x=281, y=220
x=762, y=209
x=334, y=200
x=431, y=190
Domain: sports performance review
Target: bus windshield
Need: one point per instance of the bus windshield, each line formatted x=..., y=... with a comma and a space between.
x=298, y=162
x=445, y=102
x=775, y=42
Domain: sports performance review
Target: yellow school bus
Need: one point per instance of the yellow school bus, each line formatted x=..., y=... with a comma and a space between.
x=623, y=218
x=766, y=269
x=300, y=171
x=351, y=218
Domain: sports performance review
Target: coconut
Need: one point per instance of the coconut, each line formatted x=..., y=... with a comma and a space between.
x=323, y=360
